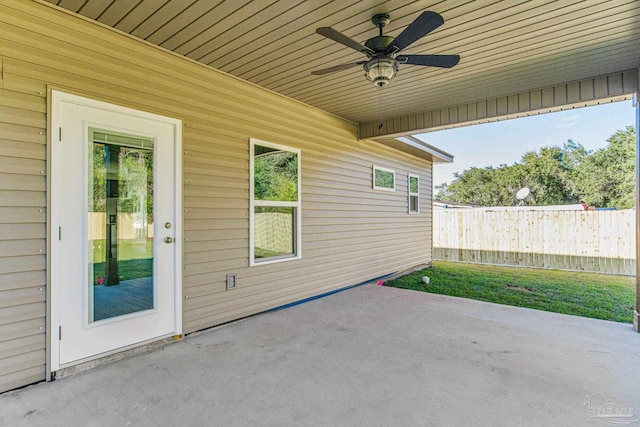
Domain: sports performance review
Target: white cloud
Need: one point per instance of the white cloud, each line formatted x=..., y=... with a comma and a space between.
x=570, y=118
x=567, y=122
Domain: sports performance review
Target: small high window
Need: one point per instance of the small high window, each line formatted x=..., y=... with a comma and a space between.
x=413, y=185
x=275, y=203
x=384, y=179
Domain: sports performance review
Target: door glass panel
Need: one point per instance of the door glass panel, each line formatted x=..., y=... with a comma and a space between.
x=120, y=224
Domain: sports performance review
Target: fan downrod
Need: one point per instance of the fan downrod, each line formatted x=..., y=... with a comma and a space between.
x=380, y=42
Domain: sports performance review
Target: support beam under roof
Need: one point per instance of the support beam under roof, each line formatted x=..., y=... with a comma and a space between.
x=636, y=311
x=617, y=86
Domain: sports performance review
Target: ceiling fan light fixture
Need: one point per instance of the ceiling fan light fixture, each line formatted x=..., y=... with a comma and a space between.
x=380, y=70
x=382, y=51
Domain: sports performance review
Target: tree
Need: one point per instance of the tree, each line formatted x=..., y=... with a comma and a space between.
x=547, y=173
x=136, y=182
x=98, y=174
x=276, y=176
x=555, y=175
x=480, y=186
x=606, y=178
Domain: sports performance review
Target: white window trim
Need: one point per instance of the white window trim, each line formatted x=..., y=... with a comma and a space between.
x=373, y=178
x=410, y=194
x=253, y=203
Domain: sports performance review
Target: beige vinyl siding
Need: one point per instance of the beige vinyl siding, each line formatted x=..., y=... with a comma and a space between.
x=22, y=236
x=350, y=233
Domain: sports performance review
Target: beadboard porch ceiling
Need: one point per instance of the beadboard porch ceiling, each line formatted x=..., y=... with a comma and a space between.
x=505, y=46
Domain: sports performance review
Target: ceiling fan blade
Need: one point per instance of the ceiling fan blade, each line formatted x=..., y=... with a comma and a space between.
x=423, y=25
x=444, y=61
x=337, y=36
x=336, y=68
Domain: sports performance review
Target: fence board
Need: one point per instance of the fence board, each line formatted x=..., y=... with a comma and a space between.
x=602, y=241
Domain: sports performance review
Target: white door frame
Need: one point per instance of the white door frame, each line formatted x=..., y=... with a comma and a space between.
x=54, y=310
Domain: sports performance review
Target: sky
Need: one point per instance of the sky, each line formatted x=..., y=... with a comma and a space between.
x=504, y=142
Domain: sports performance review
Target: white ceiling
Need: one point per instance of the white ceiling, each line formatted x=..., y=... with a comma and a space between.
x=505, y=46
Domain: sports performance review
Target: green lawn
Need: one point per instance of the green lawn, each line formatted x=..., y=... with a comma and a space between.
x=127, y=249
x=135, y=258
x=593, y=295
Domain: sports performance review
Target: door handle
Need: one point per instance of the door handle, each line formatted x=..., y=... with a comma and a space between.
x=168, y=239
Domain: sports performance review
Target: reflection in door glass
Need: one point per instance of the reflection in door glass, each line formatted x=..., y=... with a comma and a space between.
x=119, y=224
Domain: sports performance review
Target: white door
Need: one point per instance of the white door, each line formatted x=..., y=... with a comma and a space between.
x=115, y=228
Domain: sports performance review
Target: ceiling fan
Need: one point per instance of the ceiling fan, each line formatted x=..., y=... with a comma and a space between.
x=382, y=51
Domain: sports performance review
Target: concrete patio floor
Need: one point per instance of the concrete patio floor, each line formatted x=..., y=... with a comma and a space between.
x=368, y=356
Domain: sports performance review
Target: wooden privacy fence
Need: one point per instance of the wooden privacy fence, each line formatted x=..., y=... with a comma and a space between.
x=128, y=228
x=602, y=241
x=273, y=231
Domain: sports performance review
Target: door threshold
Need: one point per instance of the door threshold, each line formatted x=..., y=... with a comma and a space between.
x=113, y=356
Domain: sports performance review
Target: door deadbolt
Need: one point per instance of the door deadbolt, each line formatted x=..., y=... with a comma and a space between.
x=167, y=225
x=168, y=239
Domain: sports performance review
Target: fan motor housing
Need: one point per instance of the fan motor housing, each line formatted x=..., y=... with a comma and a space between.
x=378, y=43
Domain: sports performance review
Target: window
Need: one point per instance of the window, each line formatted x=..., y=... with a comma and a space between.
x=274, y=233
x=384, y=179
x=413, y=187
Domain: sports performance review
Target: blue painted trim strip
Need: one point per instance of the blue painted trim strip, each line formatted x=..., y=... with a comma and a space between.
x=326, y=294
x=282, y=307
